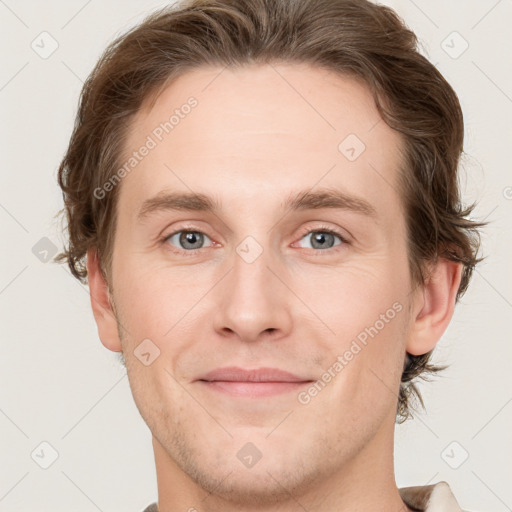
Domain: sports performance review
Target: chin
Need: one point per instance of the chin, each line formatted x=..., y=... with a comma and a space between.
x=263, y=486
x=222, y=472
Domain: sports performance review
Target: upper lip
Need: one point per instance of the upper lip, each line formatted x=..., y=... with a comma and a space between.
x=236, y=374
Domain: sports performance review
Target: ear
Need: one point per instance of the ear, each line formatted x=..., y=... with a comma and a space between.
x=434, y=306
x=102, y=309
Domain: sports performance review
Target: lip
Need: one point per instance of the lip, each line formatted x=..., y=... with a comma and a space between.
x=260, y=382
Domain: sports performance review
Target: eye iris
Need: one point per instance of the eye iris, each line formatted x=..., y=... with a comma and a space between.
x=320, y=237
x=191, y=237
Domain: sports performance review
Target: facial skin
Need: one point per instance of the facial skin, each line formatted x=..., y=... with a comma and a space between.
x=257, y=136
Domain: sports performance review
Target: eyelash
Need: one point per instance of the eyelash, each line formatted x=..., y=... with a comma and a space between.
x=191, y=229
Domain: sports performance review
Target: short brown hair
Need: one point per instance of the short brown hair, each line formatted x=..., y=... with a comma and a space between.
x=351, y=37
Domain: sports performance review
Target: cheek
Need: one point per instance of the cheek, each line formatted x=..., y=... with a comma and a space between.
x=361, y=378
x=159, y=301
x=154, y=300
x=365, y=309
x=354, y=297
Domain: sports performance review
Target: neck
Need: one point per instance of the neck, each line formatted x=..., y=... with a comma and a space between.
x=364, y=482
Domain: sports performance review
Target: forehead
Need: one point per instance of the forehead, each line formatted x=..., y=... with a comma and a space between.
x=265, y=128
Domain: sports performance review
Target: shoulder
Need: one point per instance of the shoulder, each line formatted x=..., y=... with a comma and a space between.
x=437, y=497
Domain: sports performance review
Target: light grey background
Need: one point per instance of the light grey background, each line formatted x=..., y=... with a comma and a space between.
x=59, y=385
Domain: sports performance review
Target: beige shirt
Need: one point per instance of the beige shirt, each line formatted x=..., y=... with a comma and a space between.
x=430, y=498
x=424, y=498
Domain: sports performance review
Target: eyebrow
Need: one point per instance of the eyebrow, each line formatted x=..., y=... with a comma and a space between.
x=296, y=201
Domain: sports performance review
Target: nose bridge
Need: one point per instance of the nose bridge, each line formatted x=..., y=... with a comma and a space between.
x=250, y=266
x=254, y=299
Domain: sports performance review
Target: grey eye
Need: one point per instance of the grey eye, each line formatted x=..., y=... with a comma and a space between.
x=321, y=239
x=190, y=240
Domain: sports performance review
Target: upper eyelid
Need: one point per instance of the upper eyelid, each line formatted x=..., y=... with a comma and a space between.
x=304, y=232
x=334, y=231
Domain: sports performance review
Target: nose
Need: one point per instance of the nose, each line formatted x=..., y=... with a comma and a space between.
x=254, y=301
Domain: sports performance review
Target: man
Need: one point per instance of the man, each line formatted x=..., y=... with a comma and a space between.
x=262, y=196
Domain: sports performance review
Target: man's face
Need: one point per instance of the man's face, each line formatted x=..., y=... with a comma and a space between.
x=258, y=283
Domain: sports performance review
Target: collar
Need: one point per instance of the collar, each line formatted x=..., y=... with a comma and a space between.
x=430, y=498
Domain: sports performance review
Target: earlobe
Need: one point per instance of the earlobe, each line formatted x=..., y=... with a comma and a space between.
x=101, y=304
x=435, y=312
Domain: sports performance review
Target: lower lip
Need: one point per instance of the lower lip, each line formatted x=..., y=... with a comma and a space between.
x=253, y=389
